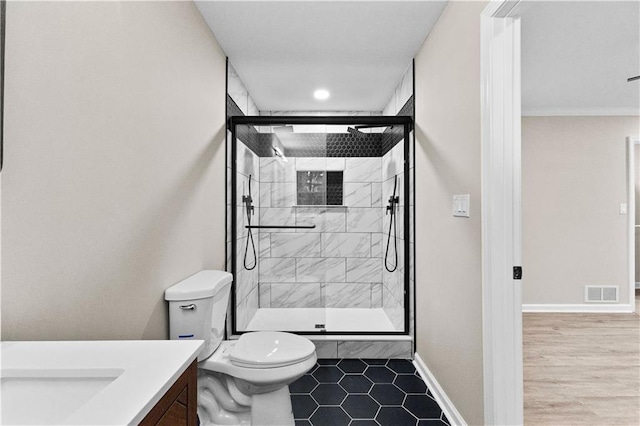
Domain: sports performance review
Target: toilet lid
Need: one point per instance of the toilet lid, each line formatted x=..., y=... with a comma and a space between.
x=267, y=349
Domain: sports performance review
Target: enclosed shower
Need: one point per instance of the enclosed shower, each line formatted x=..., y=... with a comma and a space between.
x=320, y=217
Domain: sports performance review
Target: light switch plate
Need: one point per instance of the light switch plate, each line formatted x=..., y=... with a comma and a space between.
x=461, y=205
x=623, y=208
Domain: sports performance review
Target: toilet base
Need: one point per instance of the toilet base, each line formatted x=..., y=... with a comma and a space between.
x=273, y=408
x=220, y=402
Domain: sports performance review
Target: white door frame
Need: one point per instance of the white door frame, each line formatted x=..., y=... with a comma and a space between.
x=501, y=214
x=631, y=219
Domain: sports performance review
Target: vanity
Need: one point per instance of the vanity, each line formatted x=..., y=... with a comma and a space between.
x=100, y=382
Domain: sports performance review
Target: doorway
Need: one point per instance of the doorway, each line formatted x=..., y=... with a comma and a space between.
x=633, y=185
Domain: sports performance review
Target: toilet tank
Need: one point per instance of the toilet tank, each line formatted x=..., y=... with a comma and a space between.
x=197, y=308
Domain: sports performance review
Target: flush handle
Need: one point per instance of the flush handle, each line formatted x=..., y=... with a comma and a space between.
x=190, y=307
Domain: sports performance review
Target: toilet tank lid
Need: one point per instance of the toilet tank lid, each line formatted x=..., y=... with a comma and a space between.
x=198, y=286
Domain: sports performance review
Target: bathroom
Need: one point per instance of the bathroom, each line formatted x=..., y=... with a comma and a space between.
x=118, y=153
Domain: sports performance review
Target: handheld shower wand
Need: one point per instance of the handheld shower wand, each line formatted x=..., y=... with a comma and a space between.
x=249, y=209
x=394, y=200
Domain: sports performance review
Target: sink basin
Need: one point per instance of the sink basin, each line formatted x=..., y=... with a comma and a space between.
x=89, y=382
x=37, y=396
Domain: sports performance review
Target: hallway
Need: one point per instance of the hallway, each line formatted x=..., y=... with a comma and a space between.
x=582, y=368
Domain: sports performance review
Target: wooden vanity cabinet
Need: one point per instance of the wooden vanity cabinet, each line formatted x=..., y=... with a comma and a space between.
x=179, y=405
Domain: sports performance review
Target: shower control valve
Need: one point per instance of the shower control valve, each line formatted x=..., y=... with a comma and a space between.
x=392, y=202
x=248, y=201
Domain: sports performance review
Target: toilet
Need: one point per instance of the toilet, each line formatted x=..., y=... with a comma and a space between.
x=244, y=381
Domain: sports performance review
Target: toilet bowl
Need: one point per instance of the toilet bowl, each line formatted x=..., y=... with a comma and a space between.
x=243, y=381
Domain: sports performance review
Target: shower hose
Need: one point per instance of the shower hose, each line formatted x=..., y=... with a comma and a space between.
x=392, y=225
x=248, y=201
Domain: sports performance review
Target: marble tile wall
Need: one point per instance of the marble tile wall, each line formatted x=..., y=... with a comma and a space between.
x=338, y=263
x=393, y=236
x=380, y=349
x=392, y=168
x=246, y=277
x=402, y=93
x=239, y=93
x=248, y=169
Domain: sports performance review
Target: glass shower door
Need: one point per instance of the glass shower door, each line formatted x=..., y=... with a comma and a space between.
x=320, y=223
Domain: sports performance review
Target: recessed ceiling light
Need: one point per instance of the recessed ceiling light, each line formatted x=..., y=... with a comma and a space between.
x=321, y=94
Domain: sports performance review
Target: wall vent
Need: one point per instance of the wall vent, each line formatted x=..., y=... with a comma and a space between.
x=601, y=294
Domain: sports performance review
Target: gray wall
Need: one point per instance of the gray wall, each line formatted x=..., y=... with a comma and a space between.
x=113, y=184
x=448, y=249
x=574, y=178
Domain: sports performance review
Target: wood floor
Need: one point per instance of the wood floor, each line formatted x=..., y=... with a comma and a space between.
x=582, y=369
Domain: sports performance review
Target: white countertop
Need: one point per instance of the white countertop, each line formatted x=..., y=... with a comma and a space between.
x=143, y=370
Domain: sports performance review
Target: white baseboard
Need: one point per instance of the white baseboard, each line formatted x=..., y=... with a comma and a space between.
x=579, y=308
x=455, y=418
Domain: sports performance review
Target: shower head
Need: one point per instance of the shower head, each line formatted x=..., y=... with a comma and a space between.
x=279, y=154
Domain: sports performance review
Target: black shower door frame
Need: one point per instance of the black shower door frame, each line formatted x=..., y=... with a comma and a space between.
x=381, y=121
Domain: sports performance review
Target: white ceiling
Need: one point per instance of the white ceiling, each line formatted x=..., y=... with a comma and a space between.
x=284, y=50
x=577, y=56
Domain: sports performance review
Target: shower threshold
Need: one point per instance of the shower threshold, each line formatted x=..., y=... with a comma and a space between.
x=333, y=319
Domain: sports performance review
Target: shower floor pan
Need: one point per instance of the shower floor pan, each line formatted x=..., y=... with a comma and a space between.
x=333, y=319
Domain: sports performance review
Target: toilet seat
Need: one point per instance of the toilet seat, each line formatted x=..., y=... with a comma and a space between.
x=270, y=349
x=220, y=362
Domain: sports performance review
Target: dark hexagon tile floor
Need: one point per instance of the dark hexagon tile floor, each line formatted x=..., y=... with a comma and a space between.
x=354, y=392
